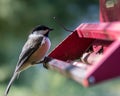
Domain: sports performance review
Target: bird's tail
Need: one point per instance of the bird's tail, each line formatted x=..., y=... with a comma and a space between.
x=10, y=83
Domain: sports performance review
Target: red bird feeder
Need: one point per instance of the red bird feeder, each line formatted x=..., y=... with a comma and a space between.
x=91, y=53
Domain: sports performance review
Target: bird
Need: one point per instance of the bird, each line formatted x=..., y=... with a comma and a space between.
x=33, y=51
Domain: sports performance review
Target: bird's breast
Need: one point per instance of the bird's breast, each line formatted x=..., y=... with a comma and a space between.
x=40, y=53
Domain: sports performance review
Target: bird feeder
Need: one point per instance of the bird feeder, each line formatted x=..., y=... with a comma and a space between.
x=91, y=53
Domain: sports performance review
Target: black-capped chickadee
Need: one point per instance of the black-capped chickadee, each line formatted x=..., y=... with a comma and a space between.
x=33, y=51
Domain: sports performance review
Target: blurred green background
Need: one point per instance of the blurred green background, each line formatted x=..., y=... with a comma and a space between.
x=17, y=18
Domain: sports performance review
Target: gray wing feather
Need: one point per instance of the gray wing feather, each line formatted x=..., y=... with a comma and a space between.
x=29, y=48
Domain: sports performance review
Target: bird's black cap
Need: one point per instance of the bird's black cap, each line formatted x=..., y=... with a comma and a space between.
x=41, y=27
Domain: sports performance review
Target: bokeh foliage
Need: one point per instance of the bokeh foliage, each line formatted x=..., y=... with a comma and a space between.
x=17, y=18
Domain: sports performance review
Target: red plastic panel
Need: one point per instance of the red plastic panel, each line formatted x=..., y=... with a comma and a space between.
x=109, y=10
x=104, y=31
x=71, y=48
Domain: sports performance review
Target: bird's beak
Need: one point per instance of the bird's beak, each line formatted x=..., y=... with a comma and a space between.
x=51, y=29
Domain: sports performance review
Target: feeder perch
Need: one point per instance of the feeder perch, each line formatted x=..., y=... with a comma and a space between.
x=91, y=53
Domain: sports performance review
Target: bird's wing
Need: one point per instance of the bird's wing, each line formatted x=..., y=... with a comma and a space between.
x=28, y=49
